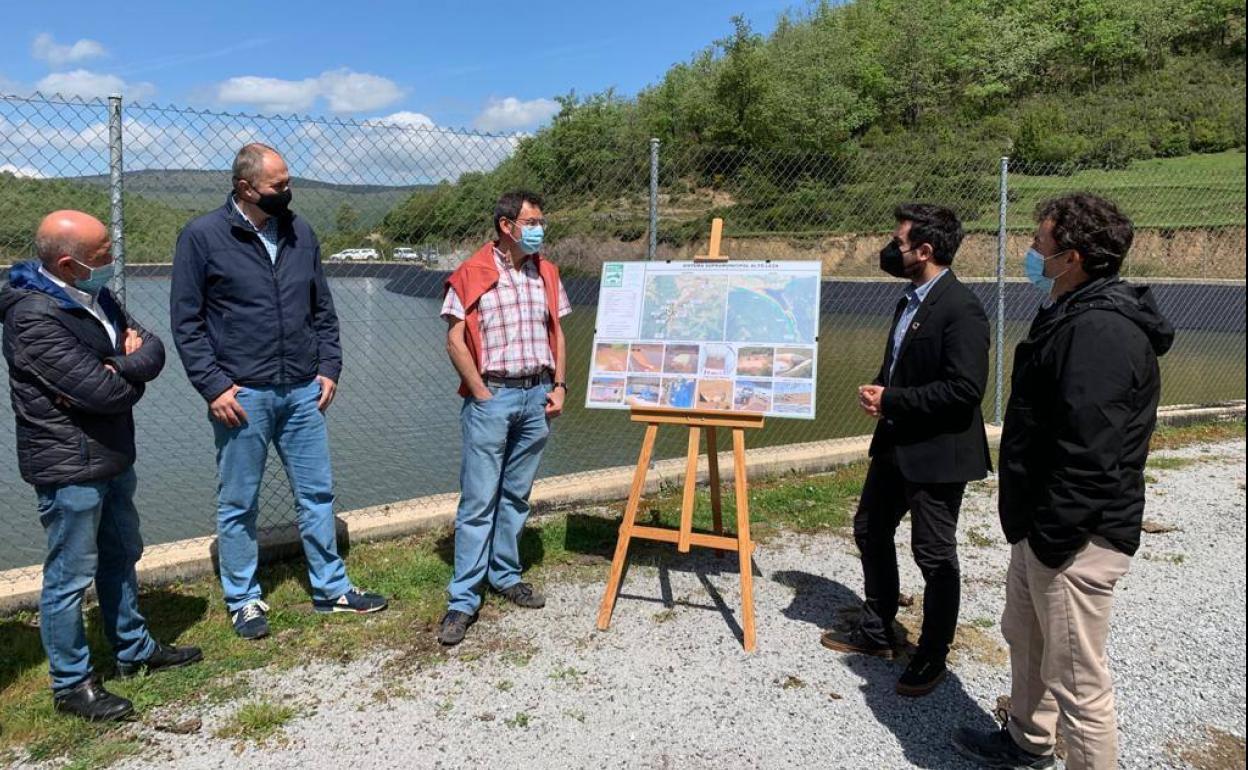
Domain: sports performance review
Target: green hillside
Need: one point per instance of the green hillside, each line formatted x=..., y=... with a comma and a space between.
x=152, y=227
x=825, y=124
x=319, y=201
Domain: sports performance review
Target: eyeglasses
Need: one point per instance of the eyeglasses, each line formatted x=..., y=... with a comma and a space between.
x=531, y=222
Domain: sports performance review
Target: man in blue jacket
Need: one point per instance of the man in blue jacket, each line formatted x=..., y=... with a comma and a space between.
x=255, y=327
x=78, y=363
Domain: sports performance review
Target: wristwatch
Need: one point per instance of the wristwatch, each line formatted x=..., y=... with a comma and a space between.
x=563, y=385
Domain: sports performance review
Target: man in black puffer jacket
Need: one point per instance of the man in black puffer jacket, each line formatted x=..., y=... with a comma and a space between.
x=77, y=366
x=1082, y=408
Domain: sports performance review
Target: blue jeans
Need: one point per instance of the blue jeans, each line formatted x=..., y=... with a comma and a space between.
x=93, y=534
x=503, y=438
x=286, y=416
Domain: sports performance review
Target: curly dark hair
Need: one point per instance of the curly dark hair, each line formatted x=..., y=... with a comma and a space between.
x=934, y=225
x=1093, y=226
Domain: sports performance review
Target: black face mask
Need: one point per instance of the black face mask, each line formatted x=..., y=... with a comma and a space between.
x=893, y=261
x=274, y=204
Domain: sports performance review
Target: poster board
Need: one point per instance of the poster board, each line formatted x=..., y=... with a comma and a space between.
x=734, y=336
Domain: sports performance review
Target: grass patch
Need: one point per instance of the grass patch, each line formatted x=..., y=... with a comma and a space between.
x=1171, y=463
x=257, y=721
x=520, y=720
x=103, y=753
x=977, y=538
x=567, y=674
x=1211, y=432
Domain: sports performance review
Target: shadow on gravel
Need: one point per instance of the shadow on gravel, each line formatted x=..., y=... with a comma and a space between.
x=922, y=726
x=596, y=536
x=816, y=599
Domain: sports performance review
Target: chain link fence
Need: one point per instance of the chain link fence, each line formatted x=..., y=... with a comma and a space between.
x=396, y=206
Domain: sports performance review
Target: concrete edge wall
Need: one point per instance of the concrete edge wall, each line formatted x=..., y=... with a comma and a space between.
x=187, y=559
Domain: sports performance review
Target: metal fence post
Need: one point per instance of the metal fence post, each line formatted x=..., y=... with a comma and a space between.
x=1003, y=210
x=115, y=216
x=653, y=247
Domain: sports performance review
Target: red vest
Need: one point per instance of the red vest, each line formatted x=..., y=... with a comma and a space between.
x=479, y=274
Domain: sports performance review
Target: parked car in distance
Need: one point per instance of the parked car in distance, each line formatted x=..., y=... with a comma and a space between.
x=425, y=256
x=354, y=255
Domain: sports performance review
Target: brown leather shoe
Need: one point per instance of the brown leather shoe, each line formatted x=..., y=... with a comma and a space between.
x=855, y=641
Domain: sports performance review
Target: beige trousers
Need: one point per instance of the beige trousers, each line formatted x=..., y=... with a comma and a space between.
x=1056, y=622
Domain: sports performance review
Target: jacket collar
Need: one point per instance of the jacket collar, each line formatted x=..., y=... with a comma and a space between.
x=236, y=218
x=28, y=277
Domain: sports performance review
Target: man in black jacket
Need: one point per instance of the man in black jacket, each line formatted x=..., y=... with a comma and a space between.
x=1083, y=405
x=77, y=366
x=255, y=326
x=929, y=442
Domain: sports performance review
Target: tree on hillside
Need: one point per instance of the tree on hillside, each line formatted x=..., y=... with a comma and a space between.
x=347, y=219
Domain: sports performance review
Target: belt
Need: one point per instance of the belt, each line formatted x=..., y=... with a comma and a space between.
x=532, y=381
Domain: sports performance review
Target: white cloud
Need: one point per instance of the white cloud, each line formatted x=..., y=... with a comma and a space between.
x=88, y=84
x=343, y=90
x=400, y=149
x=348, y=91
x=403, y=118
x=269, y=94
x=511, y=114
x=46, y=49
x=28, y=172
x=379, y=152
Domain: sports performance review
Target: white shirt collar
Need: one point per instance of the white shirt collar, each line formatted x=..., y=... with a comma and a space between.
x=84, y=298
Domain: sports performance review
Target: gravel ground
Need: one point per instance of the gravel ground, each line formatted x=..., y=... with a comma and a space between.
x=668, y=685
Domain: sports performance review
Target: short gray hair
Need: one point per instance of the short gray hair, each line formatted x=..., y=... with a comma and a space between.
x=51, y=246
x=249, y=161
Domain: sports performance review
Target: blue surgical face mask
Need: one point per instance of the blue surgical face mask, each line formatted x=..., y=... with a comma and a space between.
x=531, y=237
x=96, y=279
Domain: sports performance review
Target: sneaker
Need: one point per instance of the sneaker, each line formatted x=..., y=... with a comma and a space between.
x=855, y=641
x=251, y=621
x=523, y=595
x=997, y=749
x=92, y=702
x=922, y=676
x=164, y=656
x=354, y=600
x=454, y=626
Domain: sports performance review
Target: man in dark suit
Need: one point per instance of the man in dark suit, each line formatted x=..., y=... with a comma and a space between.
x=929, y=442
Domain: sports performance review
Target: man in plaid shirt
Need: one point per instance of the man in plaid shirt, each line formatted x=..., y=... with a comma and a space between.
x=503, y=308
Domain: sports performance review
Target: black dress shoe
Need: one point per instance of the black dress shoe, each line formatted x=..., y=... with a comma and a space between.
x=92, y=702
x=164, y=656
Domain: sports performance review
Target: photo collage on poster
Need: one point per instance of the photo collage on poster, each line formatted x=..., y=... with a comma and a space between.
x=714, y=375
x=699, y=369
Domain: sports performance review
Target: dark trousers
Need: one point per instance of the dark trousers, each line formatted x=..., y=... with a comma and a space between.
x=886, y=497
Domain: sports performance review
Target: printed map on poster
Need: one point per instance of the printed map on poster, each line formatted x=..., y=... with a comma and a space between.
x=736, y=336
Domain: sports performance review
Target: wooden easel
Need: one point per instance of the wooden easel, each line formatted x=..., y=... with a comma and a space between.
x=684, y=537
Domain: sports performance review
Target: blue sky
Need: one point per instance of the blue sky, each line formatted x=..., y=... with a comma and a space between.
x=486, y=65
